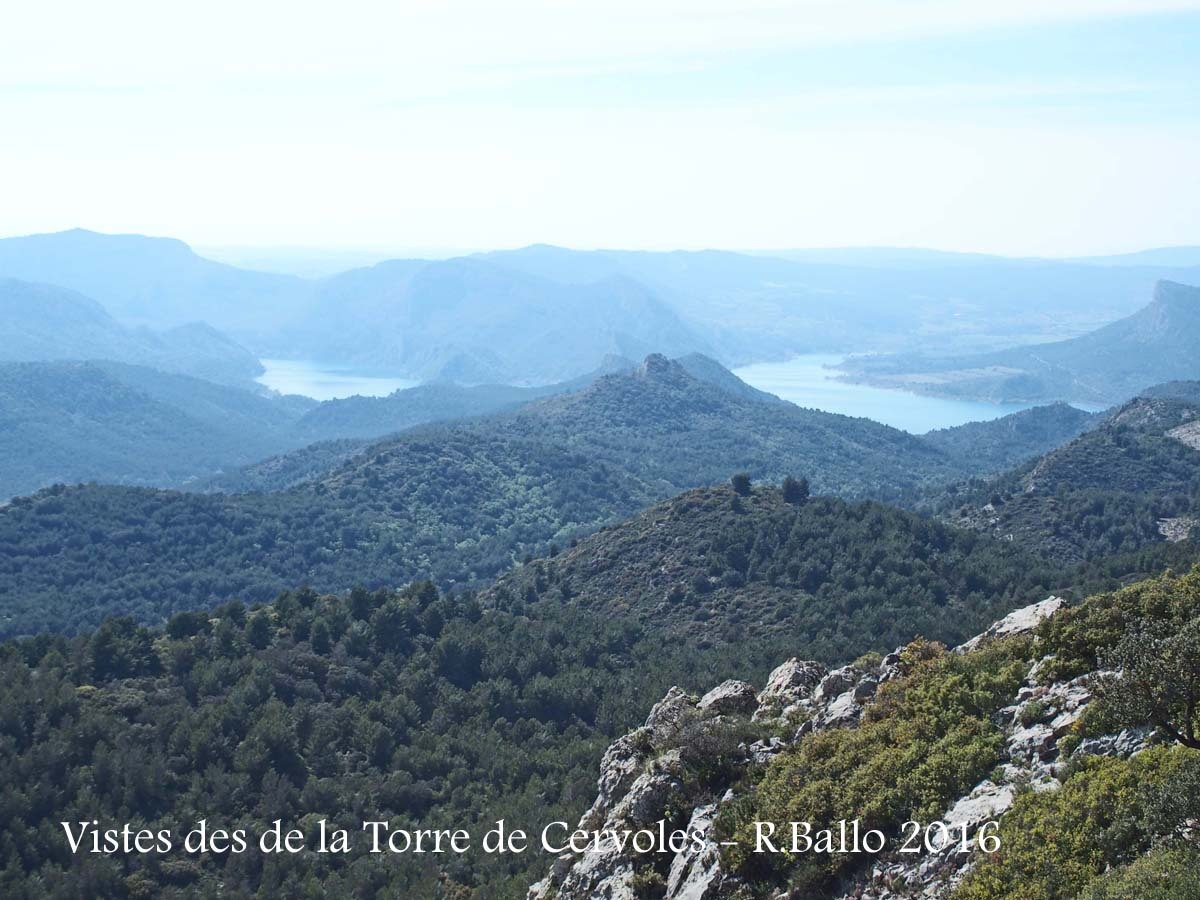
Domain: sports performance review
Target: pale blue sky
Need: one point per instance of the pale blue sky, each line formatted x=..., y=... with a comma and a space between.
x=1052, y=127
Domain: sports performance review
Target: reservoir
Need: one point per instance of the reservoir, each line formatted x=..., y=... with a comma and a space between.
x=324, y=382
x=807, y=381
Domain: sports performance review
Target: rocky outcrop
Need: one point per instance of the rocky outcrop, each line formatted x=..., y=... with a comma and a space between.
x=1017, y=622
x=649, y=775
x=730, y=698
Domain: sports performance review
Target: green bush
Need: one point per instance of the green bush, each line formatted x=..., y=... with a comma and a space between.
x=926, y=739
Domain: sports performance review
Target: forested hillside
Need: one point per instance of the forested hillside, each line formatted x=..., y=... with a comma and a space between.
x=446, y=504
x=420, y=708
x=676, y=430
x=452, y=504
x=999, y=444
x=67, y=422
x=1131, y=482
x=773, y=565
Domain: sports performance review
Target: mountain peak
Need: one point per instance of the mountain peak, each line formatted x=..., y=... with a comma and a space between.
x=1174, y=295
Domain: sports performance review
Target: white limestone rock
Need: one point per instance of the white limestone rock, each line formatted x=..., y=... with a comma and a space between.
x=1019, y=621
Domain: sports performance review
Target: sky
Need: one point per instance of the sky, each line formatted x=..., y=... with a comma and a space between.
x=1025, y=127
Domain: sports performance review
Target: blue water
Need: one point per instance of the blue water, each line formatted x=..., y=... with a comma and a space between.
x=806, y=381
x=321, y=382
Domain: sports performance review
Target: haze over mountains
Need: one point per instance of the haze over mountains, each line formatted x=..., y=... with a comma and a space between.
x=543, y=314
x=1160, y=342
x=41, y=322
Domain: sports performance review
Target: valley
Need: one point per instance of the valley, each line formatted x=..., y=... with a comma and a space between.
x=335, y=592
x=600, y=451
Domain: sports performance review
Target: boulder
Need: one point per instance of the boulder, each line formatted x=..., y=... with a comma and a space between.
x=762, y=752
x=647, y=799
x=730, y=698
x=843, y=711
x=835, y=683
x=889, y=668
x=793, y=681
x=1124, y=744
x=865, y=689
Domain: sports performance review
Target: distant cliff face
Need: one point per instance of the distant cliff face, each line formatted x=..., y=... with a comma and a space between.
x=982, y=743
x=1159, y=343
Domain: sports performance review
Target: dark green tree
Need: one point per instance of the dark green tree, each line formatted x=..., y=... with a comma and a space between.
x=1157, y=681
x=795, y=490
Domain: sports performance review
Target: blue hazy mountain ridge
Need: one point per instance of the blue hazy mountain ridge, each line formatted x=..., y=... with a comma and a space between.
x=1159, y=343
x=758, y=307
x=542, y=314
x=468, y=321
x=159, y=282
x=1178, y=257
x=41, y=322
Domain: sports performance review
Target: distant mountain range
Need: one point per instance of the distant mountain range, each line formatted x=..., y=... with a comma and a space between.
x=1160, y=342
x=157, y=282
x=469, y=321
x=542, y=314
x=40, y=322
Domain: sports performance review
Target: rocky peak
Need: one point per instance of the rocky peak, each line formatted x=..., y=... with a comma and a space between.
x=656, y=365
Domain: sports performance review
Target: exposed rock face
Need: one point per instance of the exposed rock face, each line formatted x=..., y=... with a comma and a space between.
x=835, y=683
x=644, y=780
x=668, y=714
x=732, y=697
x=645, y=776
x=1017, y=622
x=696, y=874
x=791, y=682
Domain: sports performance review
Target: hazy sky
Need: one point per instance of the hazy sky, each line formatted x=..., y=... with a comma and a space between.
x=1018, y=126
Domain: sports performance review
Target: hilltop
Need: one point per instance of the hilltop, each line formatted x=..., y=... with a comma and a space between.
x=1129, y=483
x=678, y=430
x=717, y=568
